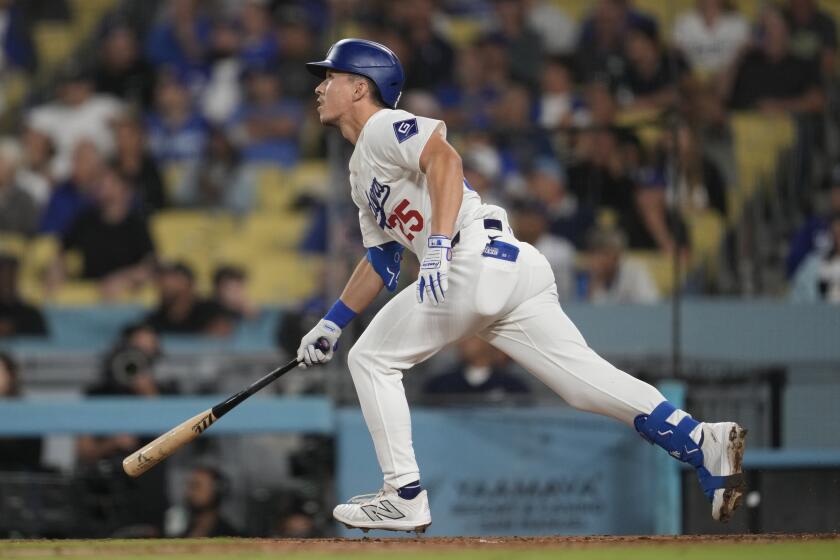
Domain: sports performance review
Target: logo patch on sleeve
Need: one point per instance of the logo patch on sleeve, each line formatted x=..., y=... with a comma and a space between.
x=405, y=129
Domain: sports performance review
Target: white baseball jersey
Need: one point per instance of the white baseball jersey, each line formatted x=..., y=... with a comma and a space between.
x=388, y=186
x=510, y=301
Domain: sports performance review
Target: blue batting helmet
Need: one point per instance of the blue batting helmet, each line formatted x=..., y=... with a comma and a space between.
x=368, y=59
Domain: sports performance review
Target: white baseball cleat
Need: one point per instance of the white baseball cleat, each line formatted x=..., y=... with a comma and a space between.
x=387, y=511
x=723, y=447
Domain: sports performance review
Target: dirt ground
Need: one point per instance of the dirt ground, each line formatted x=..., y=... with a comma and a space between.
x=425, y=544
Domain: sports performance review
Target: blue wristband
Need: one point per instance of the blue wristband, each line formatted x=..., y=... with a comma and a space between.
x=340, y=314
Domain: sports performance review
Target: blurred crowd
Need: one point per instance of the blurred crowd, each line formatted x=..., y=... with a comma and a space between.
x=605, y=136
x=549, y=114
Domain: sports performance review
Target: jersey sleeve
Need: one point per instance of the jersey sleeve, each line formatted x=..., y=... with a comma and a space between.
x=400, y=138
x=372, y=234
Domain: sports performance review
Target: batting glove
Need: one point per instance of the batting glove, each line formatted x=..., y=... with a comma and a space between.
x=433, y=282
x=308, y=354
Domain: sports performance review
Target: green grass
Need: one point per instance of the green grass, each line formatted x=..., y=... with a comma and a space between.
x=232, y=549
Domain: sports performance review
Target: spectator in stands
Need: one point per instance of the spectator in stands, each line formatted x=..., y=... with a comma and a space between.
x=18, y=210
x=17, y=318
x=16, y=454
x=773, y=80
x=611, y=276
x=268, y=125
x=482, y=168
x=711, y=36
x=818, y=277
x=557, y=31
x=35, y=173
x=72, y=196
x=700, y=185
x=565, y=216
x=599, y=107
x=297, y=45
x=129, y=366
x=15, y=39
x=652, y=75
x=113, y=238
x=134, y=162
x=431, y=57
x=518, y=140
x=121, y=70
x=813, y=34
x=181, y=38
x=479, y=374
x=258, y=41
x=180, y=310
x=530, y=223
x=557, y=94
x=177, y=132
x=78, y=114
x=477, y=85
x=206, y=491
x=814, y=236
x=602, y=37
x=219, y=179
x=230, y=292
x=222, y=94
x=132, y=505
x=524, y=45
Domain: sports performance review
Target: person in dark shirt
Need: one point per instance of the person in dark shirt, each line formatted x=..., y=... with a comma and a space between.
x=479, y=374
x=206, y=490
x=15, y=453
x=120, y=503
x=180, y=309
x=113, y=239
x=600, y=49
x=137, y=165
x=121, y=71
x=652, y=74
x=813, y=34
x=429, y=56
x=231, y=293
x=17, y=318
x=773, y=80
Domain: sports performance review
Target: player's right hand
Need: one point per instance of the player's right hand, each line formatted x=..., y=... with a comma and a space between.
x=308, y=354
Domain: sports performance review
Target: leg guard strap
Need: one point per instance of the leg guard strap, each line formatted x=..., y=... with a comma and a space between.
x=675, y=439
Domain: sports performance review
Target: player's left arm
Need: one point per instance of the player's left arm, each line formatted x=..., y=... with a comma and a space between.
x=445, y=180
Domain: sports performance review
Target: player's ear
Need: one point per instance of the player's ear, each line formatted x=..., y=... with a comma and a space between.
x=359, y=89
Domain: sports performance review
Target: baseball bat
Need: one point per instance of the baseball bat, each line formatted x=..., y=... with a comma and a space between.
x=165, y=445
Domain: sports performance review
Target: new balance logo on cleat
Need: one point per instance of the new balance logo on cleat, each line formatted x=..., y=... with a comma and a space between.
x=385, y=509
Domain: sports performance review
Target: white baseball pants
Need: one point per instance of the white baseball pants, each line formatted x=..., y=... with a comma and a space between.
x=512, y=305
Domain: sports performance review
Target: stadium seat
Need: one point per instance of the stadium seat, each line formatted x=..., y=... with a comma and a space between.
x=661, y=268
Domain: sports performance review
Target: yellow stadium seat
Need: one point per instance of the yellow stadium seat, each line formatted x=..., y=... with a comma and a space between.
x=54, y=42
x=462, y=31
x=273, y=194
x=661, y=268
x=310, y=177
x=284, y=277
x=76, y=293
x=758, y=140
x=705, y=230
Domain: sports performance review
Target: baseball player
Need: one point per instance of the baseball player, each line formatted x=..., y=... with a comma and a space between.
x=475, y=278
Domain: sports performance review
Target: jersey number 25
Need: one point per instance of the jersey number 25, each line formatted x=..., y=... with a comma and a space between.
x=412, y=219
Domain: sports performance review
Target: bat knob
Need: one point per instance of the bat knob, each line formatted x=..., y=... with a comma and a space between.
x=323, y=345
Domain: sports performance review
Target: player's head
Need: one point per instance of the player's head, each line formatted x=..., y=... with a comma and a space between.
x=356, y=71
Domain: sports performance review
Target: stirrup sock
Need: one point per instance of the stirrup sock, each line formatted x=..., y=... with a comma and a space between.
x=410, y=491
